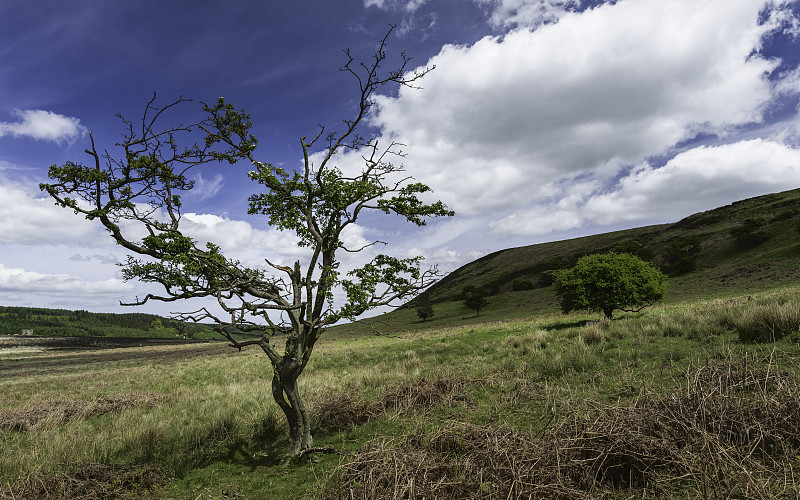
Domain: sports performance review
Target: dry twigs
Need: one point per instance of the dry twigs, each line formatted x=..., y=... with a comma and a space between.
x=89, y=482
x=733, y=433
x=338, y=411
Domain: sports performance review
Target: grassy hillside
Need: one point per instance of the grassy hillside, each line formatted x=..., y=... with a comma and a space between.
x=701, y=254
x=719, y=257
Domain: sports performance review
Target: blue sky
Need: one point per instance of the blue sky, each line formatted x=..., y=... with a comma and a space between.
x=543, y=120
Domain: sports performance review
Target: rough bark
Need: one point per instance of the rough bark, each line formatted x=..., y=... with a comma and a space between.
x=284, y=390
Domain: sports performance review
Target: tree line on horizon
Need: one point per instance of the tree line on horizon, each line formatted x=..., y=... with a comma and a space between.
x=18, y=320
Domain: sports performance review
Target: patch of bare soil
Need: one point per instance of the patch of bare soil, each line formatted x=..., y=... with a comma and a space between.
x=61, y=411
x=732, y=433
x=89, y=482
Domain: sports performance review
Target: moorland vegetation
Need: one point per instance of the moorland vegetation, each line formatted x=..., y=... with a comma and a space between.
x=694, y=397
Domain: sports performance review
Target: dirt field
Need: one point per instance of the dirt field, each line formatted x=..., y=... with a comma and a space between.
x=24, y=356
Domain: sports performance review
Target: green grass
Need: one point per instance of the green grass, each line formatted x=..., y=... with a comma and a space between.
x=217, y=432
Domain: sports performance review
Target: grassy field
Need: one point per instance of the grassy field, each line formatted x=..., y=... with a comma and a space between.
x=666, y=403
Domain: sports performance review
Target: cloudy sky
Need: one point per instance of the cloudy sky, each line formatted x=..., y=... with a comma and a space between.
x=543, y=120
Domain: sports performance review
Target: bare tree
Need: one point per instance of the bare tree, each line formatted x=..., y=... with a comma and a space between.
x=143, y=186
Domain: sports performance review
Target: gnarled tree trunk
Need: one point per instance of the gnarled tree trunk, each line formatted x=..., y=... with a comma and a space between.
x=284, y=390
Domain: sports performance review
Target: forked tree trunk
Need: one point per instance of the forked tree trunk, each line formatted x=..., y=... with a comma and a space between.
x=284, y=390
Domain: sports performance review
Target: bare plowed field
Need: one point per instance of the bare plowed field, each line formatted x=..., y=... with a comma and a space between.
x=25, y=356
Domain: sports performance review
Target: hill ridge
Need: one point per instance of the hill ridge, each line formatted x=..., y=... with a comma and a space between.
x=698, y=242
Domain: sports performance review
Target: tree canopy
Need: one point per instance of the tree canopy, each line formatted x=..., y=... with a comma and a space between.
x=138, y=187
x=475, y=298
x=608, y=282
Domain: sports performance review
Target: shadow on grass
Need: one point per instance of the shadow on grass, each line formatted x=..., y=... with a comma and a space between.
x=566, y=325
x=252, y=456
x=265, y=448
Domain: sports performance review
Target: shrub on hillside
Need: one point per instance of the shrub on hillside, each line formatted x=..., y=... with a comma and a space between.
x=546, y=278
x=475, y=298
x=521, y=284
x=633, y=247
x=752, y=232
x=680, y=255
x=425, y=312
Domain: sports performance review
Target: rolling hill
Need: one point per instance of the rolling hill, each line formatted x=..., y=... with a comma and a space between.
x=747, y=246
x=702, y=249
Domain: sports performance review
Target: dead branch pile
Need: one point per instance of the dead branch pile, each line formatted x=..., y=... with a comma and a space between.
x=425, y=394
x=61, y=411
x=338, y=411
x=89, y=482
x=732, y=433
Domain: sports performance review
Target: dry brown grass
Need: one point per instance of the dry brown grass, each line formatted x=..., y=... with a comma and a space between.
x=61, y=411
x=337, y=411
x=732, y=432
x=421, y=395
x=88, y=482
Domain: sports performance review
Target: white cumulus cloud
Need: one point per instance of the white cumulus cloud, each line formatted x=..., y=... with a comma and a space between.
x=43, y=125
x=699, y=179
x=501, y=120
x=696, y=180
x=22, y=281
x=27, y=218
x=405, y=5
x=526, y=13
x=238, y=239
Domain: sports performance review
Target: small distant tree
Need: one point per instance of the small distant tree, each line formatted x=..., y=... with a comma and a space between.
x=475, y=298
x=607, y=282
x=425, y=311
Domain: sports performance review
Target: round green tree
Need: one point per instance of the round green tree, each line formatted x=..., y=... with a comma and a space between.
x=608, y=282
x=425, y=311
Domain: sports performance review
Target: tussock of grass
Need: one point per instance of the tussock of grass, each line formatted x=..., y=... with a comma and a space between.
x=338, y=411
x=596, y=333
x=535, y=340
x=60, y=411
x=765, y=322
x=88, y=482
